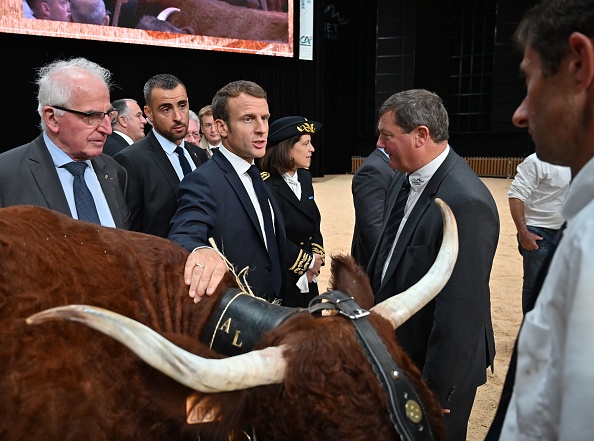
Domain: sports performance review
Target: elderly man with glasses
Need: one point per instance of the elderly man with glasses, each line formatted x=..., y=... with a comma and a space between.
x=64, y=168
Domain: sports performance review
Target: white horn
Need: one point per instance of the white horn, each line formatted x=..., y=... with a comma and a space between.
x=256, y=368
x=165, y=13
x=401, y=307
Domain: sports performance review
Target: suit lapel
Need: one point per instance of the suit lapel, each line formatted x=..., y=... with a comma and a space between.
x=423, y=203
x=239, y=189
x=46, y=177
x=104, y=178
x=284, y=191
x=162, y=161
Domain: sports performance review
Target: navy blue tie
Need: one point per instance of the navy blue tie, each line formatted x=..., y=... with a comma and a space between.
x=83, y=199
x=394, y=220
x=268, y=227
x=185, y=165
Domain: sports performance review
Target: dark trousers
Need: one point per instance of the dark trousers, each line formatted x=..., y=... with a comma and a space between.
x=533, y=261
x=456, y=422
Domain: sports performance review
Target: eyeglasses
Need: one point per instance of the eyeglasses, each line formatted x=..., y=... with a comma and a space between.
x=195, y=135
x=95, y=118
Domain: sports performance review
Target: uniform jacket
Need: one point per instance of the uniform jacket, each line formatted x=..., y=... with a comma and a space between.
x=214, y=203
x=302, y=226
x=152, y=186
x=450, y=339
x=28, y=177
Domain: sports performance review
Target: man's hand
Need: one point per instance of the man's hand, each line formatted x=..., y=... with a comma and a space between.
x=528, y=240
x=203, y=272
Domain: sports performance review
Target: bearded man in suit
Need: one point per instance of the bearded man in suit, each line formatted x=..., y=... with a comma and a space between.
x=157, y=163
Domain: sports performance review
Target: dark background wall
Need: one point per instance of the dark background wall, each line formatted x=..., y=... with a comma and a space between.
x=364, y=51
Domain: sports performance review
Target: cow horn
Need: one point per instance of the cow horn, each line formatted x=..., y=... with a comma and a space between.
x=165, y=13
x=401, y=307
x=255, y=368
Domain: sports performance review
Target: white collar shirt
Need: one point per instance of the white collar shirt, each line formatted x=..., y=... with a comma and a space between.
x=169, y=149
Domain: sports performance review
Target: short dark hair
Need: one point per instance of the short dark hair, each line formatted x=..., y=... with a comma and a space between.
x=547, y=27
x=220, y=109
x=160, y=81
x=278, y=159
x=419, y=107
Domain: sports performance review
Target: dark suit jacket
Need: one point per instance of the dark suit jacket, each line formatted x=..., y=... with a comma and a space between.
x=214, y=203
x=152, y=184
x=369, y=187
x=28, y=177
x=451, y=338
x=302, y=226
x=114, y=143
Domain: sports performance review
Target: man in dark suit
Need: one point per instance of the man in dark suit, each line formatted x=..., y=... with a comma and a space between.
x=154, y=164
x=219, y=201
x=451, y=339
x=127, y=128
x=369, y=187
x=75, y=113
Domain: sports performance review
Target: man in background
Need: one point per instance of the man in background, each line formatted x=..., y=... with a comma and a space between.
x=211, y=139
x=535, y=198
x=58, y=10
x=89, y=12
x=157, y=163
x=50, y=171
x=193, y=134
x=128, y=127
x=369, y=187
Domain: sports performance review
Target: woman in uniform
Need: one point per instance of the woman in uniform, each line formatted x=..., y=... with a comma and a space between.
x=285, y=171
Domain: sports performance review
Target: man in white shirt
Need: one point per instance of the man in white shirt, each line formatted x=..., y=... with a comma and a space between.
x=127, y=128
x=219, y=201
x=552, y=397
x=535, y=198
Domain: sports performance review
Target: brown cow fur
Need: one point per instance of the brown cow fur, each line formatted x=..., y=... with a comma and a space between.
x=63, y=381
x=216, y=18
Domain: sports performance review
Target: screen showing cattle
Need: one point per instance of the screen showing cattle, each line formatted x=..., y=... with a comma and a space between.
x=248, y=26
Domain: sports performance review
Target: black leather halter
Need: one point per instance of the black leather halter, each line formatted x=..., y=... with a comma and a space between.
x=404, y=406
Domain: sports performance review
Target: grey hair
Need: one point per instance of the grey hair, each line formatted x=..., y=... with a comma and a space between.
x=54, y=82
x=194, y=117
x=419, y=107
x=88, y=11
x=121, y=106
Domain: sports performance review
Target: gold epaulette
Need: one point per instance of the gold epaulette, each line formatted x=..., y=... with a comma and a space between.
x=265, y=175
x=301, y=263
x=318, y=249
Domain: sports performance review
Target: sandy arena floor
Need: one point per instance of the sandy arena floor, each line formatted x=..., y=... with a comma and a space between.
x=334, y=199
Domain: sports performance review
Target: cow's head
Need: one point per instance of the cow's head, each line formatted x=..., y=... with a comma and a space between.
x=271, y=363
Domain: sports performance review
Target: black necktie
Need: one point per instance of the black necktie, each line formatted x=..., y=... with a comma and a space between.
x=508, y=386
x=185, y=165
x=83, y=199
x=390, y=231
x=268, y=227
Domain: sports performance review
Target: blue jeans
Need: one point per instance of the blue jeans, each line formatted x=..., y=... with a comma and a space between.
x=533, y=261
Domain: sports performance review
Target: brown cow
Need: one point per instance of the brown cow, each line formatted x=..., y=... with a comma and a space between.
x=61, y=381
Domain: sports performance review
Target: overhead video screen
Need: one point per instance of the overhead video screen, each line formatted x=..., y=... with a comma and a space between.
x=262, y=27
